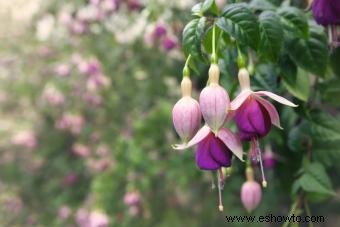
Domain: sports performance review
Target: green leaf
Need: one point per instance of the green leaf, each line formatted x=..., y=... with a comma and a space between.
x=310, y=54
x=294, y=21
x=261, y=5
x=240, y=23
x=334, y=61
x=207, y=41
x=330, y=92
x=271, y=35
x=325, y=133
x=208, y=7
x=298, y=84
x=315, y=181
x=192, y=36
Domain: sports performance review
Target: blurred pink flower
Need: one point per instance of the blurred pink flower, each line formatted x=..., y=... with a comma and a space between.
x=92, y=99
x=78, y=27
x=70, y=178
x=134, y=210
x=81, y=150
x=63, y=70
x=26, y=139
x=169, y=43
x=159, y=30
x=132, y=198
x=13, y=205
x=108, y=6
x=98, y=219
x=84, y=218
x=53, y=96
x=71, y=122
x=97, y=81
x=64, y=212
x=89, y=67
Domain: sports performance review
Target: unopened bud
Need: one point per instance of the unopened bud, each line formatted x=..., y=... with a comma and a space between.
x=244, y=80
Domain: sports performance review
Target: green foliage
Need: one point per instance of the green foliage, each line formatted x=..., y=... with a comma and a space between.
x=271, y=34
x=240, y=23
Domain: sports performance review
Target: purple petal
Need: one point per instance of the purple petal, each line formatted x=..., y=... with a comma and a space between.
x=326, y=12
x=274, y=115
x=252, y=120
x=220, y=152
x=204, y=160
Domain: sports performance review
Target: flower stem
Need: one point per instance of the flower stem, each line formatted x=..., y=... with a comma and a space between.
x=186, y=69
x=214, y=59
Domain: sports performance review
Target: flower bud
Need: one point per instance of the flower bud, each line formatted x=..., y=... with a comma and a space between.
x=243, y=77
x=251, y=195
x=186, y=114
x=214, y=100
x=251, y=191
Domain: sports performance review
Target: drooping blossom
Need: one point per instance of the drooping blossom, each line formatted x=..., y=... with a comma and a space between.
x=186, y=114
x=26, y=139
x=254, y=115
x=327, y=13
x=86, y=218
x=251, y=192
x=215, y=144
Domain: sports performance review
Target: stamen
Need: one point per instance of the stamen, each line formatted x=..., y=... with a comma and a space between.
x=253, y=151
x=259, y=156
x=220, y=205
x=330, y=35
x=213, y=186
x=221, y=177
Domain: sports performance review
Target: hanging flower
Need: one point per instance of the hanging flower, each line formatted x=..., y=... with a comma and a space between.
x=186, y=114
x=254, y=115
x=251, y=192
x=215, y=144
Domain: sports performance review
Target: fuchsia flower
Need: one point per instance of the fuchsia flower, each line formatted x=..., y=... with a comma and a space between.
x=159, y=30
x=186, y=113
x=169, y=43
x=251, y=192
x=215, y=144
x=254, y=115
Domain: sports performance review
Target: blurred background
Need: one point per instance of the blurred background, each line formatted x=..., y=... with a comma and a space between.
x=86, y=92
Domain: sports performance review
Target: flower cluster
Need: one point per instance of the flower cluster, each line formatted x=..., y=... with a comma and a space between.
x=216, y=144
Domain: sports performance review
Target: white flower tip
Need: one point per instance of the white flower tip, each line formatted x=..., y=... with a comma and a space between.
x=264, y=184
x=220, y=208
